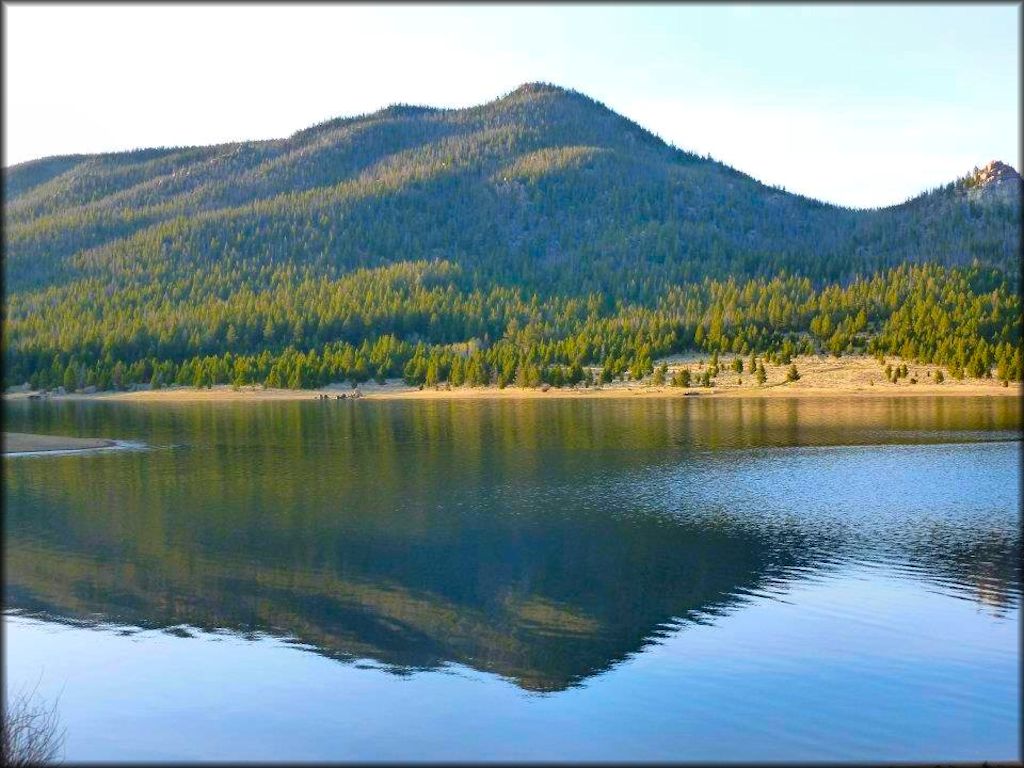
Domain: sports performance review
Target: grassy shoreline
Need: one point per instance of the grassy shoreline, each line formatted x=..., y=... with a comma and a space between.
x=851, y=376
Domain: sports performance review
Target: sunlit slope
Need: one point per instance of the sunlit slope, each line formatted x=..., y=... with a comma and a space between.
x=543, y=184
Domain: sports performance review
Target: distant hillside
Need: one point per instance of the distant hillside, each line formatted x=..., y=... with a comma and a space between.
x=541, y=181
x=544, y=191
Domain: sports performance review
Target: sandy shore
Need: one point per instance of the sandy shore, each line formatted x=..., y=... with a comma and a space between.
x=820, y=377
x=20, y=442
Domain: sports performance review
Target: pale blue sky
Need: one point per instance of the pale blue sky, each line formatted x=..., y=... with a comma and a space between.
x=860, y=105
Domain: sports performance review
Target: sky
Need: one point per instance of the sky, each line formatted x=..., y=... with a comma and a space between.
x=861, y=105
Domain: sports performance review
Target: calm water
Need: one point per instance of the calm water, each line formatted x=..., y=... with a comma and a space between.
x=671, y=580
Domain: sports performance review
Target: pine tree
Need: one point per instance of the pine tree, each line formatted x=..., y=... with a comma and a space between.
x=70, y=378
x=658, y=379
x=761, y=376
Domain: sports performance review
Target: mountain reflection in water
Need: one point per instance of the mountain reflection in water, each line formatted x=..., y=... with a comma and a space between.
x=542, y=541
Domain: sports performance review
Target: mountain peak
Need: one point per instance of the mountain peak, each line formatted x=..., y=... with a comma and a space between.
x=541, y=90
x=995, y=181
x=995, y=172
x=538, y=87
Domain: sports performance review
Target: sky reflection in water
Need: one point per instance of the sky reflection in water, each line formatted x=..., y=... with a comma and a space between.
x=669, y=580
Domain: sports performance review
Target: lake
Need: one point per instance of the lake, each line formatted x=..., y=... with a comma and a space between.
x=647, y=579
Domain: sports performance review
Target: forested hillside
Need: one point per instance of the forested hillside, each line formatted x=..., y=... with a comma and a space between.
x=514, y=242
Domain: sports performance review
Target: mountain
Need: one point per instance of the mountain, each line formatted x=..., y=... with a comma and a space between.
x=543, y=179
x=543, y=191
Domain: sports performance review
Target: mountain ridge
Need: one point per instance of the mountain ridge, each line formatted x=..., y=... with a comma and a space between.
x=394, y=150
x=525, y=91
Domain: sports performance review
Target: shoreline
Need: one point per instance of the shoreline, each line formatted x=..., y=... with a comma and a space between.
x=820, y=378
x=224, y=393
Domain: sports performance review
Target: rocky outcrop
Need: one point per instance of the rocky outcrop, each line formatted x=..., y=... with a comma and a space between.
x=997, y=180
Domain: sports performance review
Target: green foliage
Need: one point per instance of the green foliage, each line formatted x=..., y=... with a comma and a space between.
x=681, y=378
x=761, y=376
x=428, y=323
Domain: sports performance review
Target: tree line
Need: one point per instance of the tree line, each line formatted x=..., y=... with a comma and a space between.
x=427, y=323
